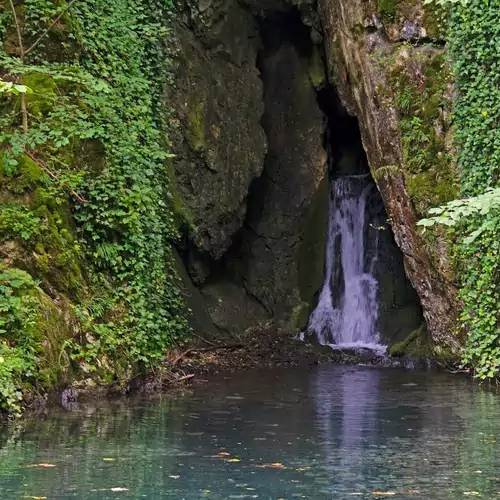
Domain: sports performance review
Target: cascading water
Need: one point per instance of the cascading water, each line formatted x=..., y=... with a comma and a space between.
x=347, y=310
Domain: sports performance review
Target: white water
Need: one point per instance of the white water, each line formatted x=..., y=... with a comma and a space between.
x=347, y=317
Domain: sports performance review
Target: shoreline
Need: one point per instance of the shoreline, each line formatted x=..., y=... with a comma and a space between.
x=182, y=368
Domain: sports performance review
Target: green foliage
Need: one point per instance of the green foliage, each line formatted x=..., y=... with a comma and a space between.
x=18, y=220
x=475, y=221
x=13, y=88
x=18, y=343
x=97, y=141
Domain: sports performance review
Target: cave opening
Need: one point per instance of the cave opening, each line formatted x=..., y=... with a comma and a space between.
x=277, y=263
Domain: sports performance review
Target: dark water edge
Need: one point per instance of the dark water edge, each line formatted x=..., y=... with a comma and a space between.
x=318, y=432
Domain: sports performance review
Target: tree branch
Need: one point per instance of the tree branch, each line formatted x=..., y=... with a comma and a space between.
x=18, y=29
x=22, y=53
x=41, y=37
x=39, y=162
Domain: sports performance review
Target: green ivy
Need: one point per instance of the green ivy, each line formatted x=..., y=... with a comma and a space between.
x=96, y=137
x=474, y=40
x=18, y=341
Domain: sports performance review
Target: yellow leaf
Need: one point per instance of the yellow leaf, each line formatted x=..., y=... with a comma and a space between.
x=277, y=465
x=109, y=459
x=233, y=460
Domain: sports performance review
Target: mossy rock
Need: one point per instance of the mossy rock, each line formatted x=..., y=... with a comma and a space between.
x=195, y=132
x=388, y=9
x=416, y=344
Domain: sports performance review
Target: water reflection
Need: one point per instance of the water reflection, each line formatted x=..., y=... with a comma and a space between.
x=333, y=432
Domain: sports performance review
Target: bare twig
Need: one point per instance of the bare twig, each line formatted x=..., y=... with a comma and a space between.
x=42, y=36
x=18, y=29
x=22, y=53
x=205, y=340
x=51, y=174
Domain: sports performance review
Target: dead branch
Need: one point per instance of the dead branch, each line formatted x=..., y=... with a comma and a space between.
x=205, y=340
x=24, y=110
x=51, y=174
x=205, y=349
x=42, y=36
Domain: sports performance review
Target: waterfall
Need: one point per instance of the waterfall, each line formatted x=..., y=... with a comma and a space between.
x=347, y=310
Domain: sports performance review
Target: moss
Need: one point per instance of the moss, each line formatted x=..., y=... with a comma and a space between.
x=388, y=9
x=26, y=175
x=181, y=211
x=435, y=21
x=58, y=258
x=419, y=80
x=432, y=188
x=42, y=99
x=53, y=331
x=195, y=132
x=300, y=315
x=316, y=69
x=416, y=344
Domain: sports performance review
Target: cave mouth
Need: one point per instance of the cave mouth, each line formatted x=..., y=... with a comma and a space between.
x=277, y=265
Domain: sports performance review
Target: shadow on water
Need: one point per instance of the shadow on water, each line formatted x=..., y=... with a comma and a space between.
x=332, y=432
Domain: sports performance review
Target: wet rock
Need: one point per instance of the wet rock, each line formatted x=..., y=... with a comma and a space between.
x=219, y=141
x=69, y=398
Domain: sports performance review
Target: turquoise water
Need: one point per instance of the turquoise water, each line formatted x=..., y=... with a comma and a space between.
x=328, y=433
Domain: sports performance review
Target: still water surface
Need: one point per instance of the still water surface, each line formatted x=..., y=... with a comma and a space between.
x=328, y=433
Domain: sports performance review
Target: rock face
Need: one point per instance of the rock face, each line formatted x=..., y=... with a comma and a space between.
x=220, y=144
x=247, y=111
x=359, y=52
x=294, y=169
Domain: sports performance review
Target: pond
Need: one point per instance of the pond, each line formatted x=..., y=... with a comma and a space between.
x=330, y=432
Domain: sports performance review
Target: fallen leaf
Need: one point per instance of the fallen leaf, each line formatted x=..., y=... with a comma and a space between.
x=118, y=488
x=275, y=465
x=233, y=460
x=386, y=493
x=109, y=459
x=34, y=497
x=224, y=454
x=46, y=466
x=174, y=477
